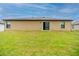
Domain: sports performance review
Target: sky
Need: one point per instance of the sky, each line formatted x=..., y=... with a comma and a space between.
x=51, y=10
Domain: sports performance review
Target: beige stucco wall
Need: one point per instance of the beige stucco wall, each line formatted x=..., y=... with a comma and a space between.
x=25, y=25
x=37, y=25
x=55, y=25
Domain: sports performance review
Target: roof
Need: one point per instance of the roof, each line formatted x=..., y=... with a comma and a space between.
x=36, y=19
x=75, y=23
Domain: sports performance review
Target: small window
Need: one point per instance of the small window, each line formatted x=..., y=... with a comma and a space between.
x=62, y=24
x=8, y=25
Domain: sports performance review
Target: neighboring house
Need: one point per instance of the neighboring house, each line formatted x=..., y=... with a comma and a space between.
x=38, y=24
x=75, y=25
x=1, y=26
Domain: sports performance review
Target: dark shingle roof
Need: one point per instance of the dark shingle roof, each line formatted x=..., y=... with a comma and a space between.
x=36, y=19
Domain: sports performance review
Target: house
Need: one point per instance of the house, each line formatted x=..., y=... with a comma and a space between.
x=1, y=26
x=75, y=25
x=38, y=24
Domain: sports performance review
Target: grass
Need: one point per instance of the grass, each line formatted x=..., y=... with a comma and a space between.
x=39, y=43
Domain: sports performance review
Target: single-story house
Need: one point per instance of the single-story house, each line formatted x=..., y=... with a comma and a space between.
x=75, y=25
x=1, y=26
x=38, y=24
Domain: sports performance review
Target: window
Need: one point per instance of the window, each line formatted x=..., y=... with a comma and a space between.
x=62, y=24
x=8, y=25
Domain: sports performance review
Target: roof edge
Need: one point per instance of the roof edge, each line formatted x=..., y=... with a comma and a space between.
x=37, y=20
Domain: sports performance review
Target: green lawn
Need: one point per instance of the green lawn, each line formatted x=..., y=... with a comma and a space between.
x=41, y=43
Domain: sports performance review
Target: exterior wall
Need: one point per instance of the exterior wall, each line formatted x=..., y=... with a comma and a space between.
x=56, y=25
x=38, y=25
x=25, y=25
x=75, y=27
x=1, y=27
